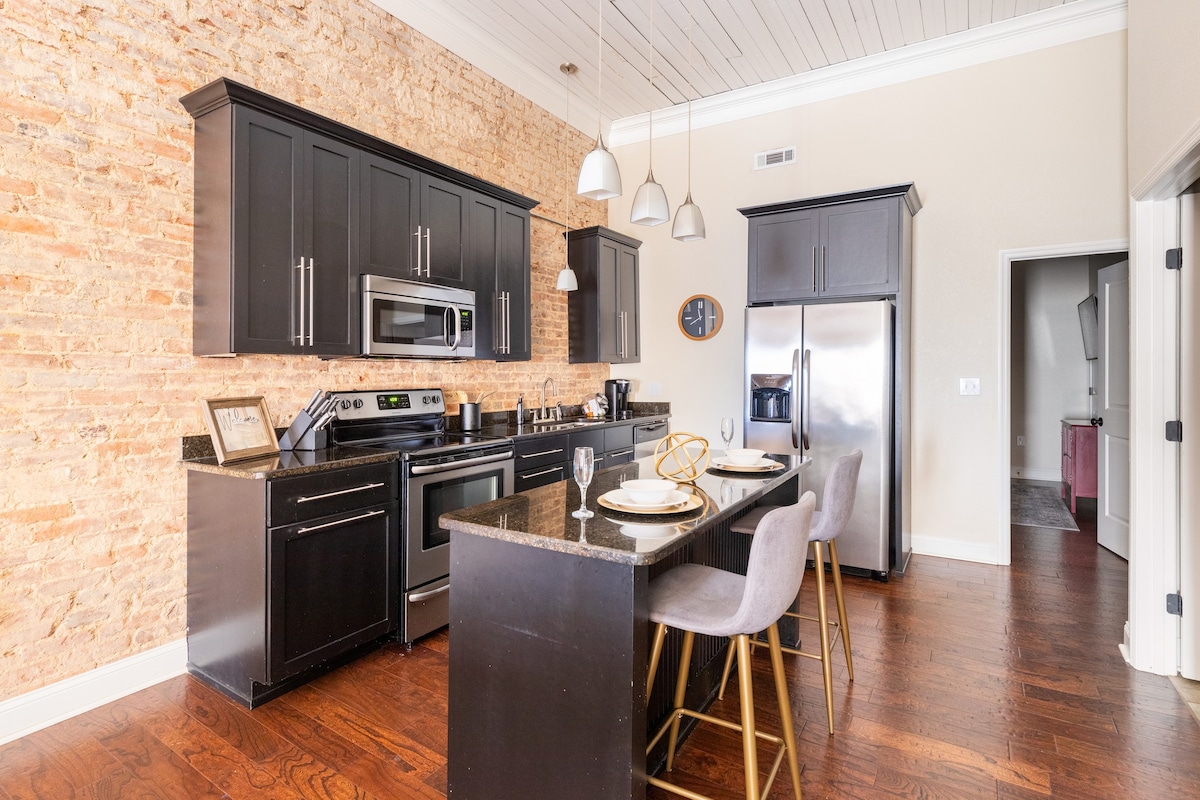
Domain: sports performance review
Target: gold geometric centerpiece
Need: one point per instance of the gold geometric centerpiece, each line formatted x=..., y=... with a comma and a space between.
x=674, y=461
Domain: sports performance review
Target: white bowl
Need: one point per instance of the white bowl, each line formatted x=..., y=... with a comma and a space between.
x=647, y=492
x=743, y=456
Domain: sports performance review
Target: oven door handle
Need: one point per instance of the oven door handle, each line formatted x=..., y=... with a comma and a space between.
x=422, y=469
x=419, y=596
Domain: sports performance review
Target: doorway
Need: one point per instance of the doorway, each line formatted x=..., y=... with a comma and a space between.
x=1059, y=278
x=1055, y=382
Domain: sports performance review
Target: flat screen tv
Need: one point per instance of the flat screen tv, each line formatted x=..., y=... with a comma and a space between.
x=1089, y=324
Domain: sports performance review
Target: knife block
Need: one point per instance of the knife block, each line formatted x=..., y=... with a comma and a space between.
x=301, y=436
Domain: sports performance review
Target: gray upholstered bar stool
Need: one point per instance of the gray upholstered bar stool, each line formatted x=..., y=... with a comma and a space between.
x=837, y=503
x=700, y=599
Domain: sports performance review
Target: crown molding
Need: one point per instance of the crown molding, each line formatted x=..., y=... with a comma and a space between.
x=1070, y=22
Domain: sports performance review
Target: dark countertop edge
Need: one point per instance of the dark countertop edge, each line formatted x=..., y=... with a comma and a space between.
x=605, y=553
x=270, y=466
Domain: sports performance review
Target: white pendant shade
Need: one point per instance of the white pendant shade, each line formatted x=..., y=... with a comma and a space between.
x=650, y=206
x=567, y=281
x=689, y=222
x=599, y=177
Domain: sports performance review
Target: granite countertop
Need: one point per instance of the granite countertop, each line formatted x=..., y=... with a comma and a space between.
x=197, y=451
x=288, y=463
x=542, y=518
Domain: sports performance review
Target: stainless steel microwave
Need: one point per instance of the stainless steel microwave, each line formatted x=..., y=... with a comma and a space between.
x=416, y=320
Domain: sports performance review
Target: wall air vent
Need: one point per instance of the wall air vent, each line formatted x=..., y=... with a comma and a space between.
x=775, y=158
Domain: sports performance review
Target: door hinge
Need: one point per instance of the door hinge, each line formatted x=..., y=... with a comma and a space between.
x=1175, y=604
x=1175, y=258
x=1175, y=431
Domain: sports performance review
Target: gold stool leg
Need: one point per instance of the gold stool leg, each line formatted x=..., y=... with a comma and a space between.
x=660, y=633
x=785, y=706
x=823, y=623
x=729, y=654
x=843, y=627
x=746, y=692
x=685, y=661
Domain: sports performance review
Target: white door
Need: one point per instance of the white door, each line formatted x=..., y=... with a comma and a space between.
x=1112, y=505
x=1189, y=474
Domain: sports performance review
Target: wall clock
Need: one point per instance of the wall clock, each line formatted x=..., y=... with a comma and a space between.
x=700, y=317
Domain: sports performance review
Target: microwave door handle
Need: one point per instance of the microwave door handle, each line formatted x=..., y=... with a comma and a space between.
x=446, y=326
x=457, y=327
x=806, y=422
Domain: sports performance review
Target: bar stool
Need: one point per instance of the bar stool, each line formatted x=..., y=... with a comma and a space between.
x=706, y=600
x=837, y=503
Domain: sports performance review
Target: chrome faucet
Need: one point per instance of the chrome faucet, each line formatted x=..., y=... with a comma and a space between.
x=554, y=386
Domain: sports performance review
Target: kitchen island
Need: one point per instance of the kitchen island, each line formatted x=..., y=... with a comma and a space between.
x=550, y=636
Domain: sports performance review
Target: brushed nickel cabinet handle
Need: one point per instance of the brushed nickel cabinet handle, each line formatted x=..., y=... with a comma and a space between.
x=335, y=523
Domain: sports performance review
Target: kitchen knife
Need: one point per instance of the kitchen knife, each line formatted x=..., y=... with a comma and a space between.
x=311, y=405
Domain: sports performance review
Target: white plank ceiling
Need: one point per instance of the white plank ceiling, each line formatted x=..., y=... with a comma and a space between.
x=733, y=43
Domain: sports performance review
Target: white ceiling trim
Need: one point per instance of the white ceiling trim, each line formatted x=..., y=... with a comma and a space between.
x=1051, y=27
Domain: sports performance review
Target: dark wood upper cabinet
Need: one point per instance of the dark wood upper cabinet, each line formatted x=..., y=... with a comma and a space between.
x=499, y=255
x=292, y=207
x=603, y=314
x=838, y=246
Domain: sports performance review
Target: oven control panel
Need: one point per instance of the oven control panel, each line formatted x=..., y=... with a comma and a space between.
x=389, y=404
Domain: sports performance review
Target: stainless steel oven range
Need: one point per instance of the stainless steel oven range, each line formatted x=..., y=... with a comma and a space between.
x=440, y=471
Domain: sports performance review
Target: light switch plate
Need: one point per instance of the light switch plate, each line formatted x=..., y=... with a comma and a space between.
x=968, y=386
x=654, y=389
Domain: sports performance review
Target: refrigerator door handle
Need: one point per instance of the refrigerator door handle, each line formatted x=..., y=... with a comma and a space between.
x=795, y=390
x=807, y=419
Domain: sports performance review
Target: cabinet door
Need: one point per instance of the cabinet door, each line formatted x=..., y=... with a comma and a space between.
x=627, y=301
x=607, y=300
x=268, y=164
x=444, y=214
x=331, y=204
x=512, y=281
x=389, y=219
x=333, y=584
x=541, y=476
x=860, y=245
x=484, y=257
x=783, y=256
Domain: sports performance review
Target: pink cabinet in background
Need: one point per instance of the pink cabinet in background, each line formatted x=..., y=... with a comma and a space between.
x=1078, y=460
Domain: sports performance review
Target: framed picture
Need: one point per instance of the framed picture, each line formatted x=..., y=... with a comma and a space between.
x=240, y=428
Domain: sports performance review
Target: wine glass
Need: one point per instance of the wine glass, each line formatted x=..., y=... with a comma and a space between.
x=727, y=431
x=585, y=465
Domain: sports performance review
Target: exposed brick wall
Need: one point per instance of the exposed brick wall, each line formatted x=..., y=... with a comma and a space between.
x=98, y=383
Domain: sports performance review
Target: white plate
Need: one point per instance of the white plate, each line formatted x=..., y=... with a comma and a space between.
x=638, y=531
x=620, y=498
x=690, y=503
x=762, y=465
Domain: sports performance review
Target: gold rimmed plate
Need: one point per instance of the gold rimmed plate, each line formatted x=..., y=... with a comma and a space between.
x=689, y=502
x=762, y=465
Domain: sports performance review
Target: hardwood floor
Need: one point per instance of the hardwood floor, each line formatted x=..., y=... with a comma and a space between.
x=971, y=681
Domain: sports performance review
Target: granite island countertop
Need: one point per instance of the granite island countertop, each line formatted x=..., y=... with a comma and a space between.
x=542, y=518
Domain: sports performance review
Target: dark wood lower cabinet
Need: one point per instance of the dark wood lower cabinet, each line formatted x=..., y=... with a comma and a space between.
x=287, y=576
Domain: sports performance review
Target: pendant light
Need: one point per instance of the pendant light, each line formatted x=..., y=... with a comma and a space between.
x=567, y=281
x=650, y=206
x=689, y=222
x=599, y=177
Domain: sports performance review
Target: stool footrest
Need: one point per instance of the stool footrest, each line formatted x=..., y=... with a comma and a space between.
x=670, y=787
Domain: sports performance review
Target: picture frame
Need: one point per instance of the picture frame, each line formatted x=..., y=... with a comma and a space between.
x=240, y=428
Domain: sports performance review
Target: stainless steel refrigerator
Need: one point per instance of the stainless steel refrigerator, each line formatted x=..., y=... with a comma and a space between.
x=820, y=382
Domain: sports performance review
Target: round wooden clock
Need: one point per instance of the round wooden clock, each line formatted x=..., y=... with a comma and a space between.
x=700, y=317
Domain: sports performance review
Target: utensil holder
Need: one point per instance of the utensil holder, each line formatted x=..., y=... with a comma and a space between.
x=469, y=413
x=300, y=435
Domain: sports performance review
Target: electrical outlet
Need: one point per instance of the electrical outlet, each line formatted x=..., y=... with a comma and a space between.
x=654, y=389
x=968, y=386
x=1020, y=441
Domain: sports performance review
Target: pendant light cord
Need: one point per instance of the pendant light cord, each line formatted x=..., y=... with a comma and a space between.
x=650, y=169
x=599, y=70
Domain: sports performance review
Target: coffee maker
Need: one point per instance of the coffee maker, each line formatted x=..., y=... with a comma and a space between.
x=616, y=391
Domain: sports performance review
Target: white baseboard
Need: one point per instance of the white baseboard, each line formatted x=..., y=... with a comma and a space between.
x=1036, y=474
x=43, y=707
x=952, y=548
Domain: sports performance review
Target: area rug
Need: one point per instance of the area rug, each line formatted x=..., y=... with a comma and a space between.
x=1038, y=504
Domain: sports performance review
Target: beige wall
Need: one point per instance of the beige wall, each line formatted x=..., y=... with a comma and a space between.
x=1049, y=374
x=98, y=383
x=1164, y=64
x=1024, y=152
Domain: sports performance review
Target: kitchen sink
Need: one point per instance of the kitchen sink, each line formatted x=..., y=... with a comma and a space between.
x=562, y=424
